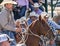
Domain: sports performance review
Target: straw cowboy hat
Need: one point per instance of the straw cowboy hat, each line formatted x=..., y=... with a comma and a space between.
x=36, y=5
x=33, y=14
x=21, y=20
x=5, y=37
x=8, y=1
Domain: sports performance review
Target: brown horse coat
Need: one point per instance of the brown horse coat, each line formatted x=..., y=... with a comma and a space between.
x=39, y=27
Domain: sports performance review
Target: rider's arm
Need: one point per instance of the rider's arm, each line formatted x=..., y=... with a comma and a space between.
x=55, y=25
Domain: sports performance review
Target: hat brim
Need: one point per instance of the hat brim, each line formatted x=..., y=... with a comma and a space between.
x=9, y=39
x=12, y=2
x=36, y=6
x=5, y=37
x=34, y=15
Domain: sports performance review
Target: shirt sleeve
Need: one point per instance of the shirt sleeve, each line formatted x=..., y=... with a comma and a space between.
x=4, y=22
x=27, y=4
x=55, y=25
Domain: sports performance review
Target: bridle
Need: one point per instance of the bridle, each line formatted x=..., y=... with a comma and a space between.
x=31, y=33
x=27, y=33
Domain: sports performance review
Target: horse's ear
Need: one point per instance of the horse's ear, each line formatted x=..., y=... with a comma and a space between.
x=40, y=18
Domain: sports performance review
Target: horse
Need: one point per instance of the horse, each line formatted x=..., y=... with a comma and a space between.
x=38, y=27
x=35, y=30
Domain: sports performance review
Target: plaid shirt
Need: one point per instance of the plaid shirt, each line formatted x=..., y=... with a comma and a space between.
x=52, y=25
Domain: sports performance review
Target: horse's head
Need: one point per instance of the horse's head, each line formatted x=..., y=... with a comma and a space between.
x=40, y=27
x=36, y=29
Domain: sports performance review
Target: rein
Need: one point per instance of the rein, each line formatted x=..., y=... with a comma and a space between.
x=31, y=33
x=24, y=39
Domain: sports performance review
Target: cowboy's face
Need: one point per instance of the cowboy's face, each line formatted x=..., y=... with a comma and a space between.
x=33, y=18
x=36, y=8
x=9, y=6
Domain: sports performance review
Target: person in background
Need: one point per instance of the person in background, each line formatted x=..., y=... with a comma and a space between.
x=36, y=9
x=53, y=25
x=7, y=22
x=31, y=4
x=5, y=40
x=23, y=5
x=32, y=17
x=21, y=22
x=50, y=22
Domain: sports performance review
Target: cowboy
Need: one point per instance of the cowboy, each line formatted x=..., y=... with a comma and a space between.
x=21, y=23
x=23, y=5
x=5, y=40
x=32, y=17
x=31, y=4
x=36, y=9
x=7, y=22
